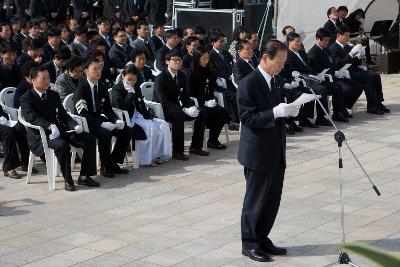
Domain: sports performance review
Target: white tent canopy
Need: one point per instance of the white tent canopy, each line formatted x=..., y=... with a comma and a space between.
x=306, y=16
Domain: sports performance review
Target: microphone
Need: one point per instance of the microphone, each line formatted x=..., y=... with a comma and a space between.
x=298, y=75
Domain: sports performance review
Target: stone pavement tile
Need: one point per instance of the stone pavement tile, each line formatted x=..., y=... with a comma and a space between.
x=23, y=241
x=167, y=257
x=79, y=239
x=107, y=260
x=50, y=262
x=20, y=257
x=5, y=264
x=51, y=232
x=140, y=263
x=6, y=249
x=133, y=236
x=135, y=252
x=5, y=234
x=78, y=255
x=194, y=262
x=105, y=245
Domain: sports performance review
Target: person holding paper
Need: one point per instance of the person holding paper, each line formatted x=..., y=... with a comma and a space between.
x=42, y=107
x=262, y=151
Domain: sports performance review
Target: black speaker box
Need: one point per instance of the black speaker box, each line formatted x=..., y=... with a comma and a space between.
x=253, y=15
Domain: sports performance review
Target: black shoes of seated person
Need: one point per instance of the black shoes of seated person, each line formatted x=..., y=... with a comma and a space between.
x=216, y=145
x=269, y=247
x=88, y=181
x=322, y=121
x=70, y=187
x=106, y=172
x=339, y=117
x=375, y=110
x=307, y=123
x=383, y=108
x=116, y=169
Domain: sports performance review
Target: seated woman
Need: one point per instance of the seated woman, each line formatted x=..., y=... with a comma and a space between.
x=154, y=134
x=201, y=85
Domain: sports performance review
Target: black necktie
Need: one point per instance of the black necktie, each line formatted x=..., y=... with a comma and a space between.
x=44, y=97
x=176, y=79
x=221, y=56
x=95, y=97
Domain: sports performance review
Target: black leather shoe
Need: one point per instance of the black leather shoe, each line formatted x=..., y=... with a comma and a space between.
x=268, y=247
x=106, y=172
x=25, y=169
x=198, y=151
x=116, y=169
x=233, y=127
x=307, y=123
x=69, y=187
x=13, y=174
x=295, y=127
x=322, y=121
x=375, y=110
x=256, y=254
x=216, y=145
x=382, y=107
x=339, y=117
x=289, y=130
x=180, y=156
x=347, y=114
x=88, y=181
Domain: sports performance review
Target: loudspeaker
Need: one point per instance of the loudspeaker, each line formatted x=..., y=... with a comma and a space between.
x=253, y=15
x=390, y=62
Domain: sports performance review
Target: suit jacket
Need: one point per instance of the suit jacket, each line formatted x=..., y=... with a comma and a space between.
x=77, y=49
x=320, y=59
x=52, y=70
x=187, y=61
x=155, y=44
x=341, y=57
x=22, y=88
x=64, y=85
x=23, y=59
x=131, y=9
x=110, y=7
x=201, y=84
x=241, y=69
x=59, y=6
x=21, y=5
x=155, y=10
x=129, y=101
x=170, y=93
x=9, y=78
x=160, y=57
x=262, y=143
x=79, y=7
x=118, y=56
x=37, y=112
x=83, y=103
x=331, y=27
x=221, y=67
x=293, y=63
x=103, y=41
x=138, y=43
x=48, y=53
x=145, y=75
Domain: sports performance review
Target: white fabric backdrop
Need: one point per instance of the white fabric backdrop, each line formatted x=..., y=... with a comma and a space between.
x=306, y=16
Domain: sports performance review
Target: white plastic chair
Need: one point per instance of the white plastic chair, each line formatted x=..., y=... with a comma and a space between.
x=233, y=81
x=7, y=102
x=154, y=70
x=220, y=100
x=147, y=89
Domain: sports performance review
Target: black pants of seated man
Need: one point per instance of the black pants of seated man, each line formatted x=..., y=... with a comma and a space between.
x=351, y=91
x=10, y=137
x=324, y=90
x=177, y=118
x=261, y=204
x=372, y=85
x=62, y=149
x=217, y=117
x=107, y=158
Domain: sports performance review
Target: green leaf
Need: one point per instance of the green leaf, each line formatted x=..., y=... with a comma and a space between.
x=379, y=256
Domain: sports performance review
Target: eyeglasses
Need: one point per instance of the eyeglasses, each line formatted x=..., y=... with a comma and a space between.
x=176, y=60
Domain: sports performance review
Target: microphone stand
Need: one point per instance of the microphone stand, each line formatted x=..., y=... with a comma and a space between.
x=340, y=138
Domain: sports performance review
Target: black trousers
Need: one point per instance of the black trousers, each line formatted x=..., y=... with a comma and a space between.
x=351, y=91
x=261, y=204
x=216, y=119
x=372, y=85
x=177, y=118
x=124, y=136
x=62, y=149
x=308, y=110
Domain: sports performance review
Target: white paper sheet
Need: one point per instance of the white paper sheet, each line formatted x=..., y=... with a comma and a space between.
x=324, y=71
x=304, y=98
x=345, y=67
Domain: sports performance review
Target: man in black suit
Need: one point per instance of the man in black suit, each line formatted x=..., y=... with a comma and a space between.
x=243, y=65
x=91, y=101
x=56, y=66
x=320, y=60
x=78, y=46
x=332, y=23
x=254, y=41
x=191, y=43
x=32, y=50
x=26, y=83
x=53, y=44
x=133, y=10
x=82, y=11
x=5, y=36
x=262, y=151
x=21, y=5
x=157, y=40
x=170, y=90
x=171, y=40
x=119, y=52
x=155, y=10
x=103, y=26
x=56, y=10
x=43, y=107
x=142, y=42
x=343, y=54
x=221, y=63
x=10, y=73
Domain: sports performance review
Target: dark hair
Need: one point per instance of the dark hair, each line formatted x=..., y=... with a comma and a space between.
x=343, y=8
x=128, y=23
x=195, y=65
x=237, y=31
x=89, y=60
x=185, y=32
x=322, y=33
x=198, y=29
x=27, y=66
x=130, y=69
x=8, y=48
x=3, y=24
x=268, y=38
x=136, y=52
x=74, y=62
x=159, y=25
x=191, y=39
x=15, y=20
x=240, y=44
x=169, y=34
x=53, y=32
x=342, y=29
x=32, y=23
x=215, y=36
x=102, y=20
x=62, y=26
x=179, y=32
x=80, y=31
x=357, y=12
x=173, y=53
x=291, y=36
x=63, y=53
x=272, y=47
x=285, y=28
x=330, y=11
x=95, y=54
x=29, y=43
x=35, y=71
x=141, y=23
x=118, y=30
x=92, y=35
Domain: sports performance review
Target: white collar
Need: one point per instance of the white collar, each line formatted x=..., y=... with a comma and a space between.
x=143, y=40
x=341, y=45
x=55, y=66
x=266, y=76
x=172, y=74
x=170, y=48
x=90, y=84
x=334, y=22
x=216, y=50
x=319, y=46
x=39, y=93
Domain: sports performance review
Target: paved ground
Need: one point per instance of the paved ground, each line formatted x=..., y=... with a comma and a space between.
x=187, y=213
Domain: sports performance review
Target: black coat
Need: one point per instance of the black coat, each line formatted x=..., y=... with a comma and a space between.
x=155, y=10
x=201, y=84
x=22, y=88
x=341, y=57
x=221, y=68
x=155, y=44
x=130, y=9
x=319, y=59
x=331, y=27
x=262, y=143
x=160, y=57
x=49, y=66
x=77, y=50
x=118, y=56
x=147, y=75
x=293, y=63
x=23, y=59
x=83, y=103
x=48, y=53
x=241, y=69
x=169, y=93
x=36, y=112
x=9, y=78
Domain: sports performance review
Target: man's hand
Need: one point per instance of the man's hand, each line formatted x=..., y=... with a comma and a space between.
x=119, y=124
x=210, y=103
x=191, y=112
x=285, y=110
x=54, y=132
x=3, y=120
x=78, y=129
x=108, y=126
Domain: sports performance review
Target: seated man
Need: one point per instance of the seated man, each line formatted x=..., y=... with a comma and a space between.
x=171, y=40
x=142, y=42
x=191, y=43
x=91, y=101
x=170, y=90
x=68, y=81
x=56, y=66
x=157, y=40
x=78, y=46
x=26, y=83
x=320, y=60
x=32, y=49
x=119, y=51
x=43, y=107
x=9, y=71
x=343, y=54
x=243, y=65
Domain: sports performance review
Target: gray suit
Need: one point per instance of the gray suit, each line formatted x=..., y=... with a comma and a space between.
x=139, y=44
x=64, y=85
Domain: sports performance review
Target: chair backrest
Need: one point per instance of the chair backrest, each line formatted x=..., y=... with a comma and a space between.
x=69, y=103
x=147, y=90
x=118, y=79
x=7, y=96
x=233, y=81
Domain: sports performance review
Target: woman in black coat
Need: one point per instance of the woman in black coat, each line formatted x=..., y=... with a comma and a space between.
x=201, y=85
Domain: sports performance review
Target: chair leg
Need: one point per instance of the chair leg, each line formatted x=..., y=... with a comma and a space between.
x=226, y=134
x=30, y=165
x=136, y=161
x=50, y=165
x=73, y=156
x=205, y=139
x=97, y=158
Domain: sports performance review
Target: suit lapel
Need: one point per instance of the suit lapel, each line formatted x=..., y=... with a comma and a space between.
x=265, y=90
x=41, y=105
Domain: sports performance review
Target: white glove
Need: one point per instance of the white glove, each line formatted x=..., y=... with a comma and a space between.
x=3, y=120
x=54, y=132
x=347, y=74
x=78, y=129
x=120, y=124
x=108, y=125
x=339, y=74
x=363, y=68
x=191, y=112
x=288, y=86
x=285, y=110
x=295, y=83
x=355, y=50
x=221, y=82
x=210, y=103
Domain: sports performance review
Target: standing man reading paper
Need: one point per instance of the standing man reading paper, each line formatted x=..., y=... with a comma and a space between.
x=262, y=151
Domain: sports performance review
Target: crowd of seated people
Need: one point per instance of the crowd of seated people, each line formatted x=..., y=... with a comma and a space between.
x=48, y=59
